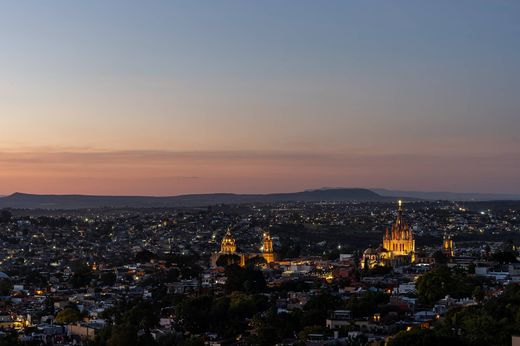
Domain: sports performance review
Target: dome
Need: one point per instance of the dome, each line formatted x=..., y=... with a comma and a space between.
x=228, y=243
x=381, y=249
x=228, y=238
x=370, y=251
x=376, y=251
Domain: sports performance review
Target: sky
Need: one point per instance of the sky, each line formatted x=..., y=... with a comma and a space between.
x=175, y=97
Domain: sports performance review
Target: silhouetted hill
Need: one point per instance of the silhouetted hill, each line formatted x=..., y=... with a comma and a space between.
x=448, y=196
x=30, y=201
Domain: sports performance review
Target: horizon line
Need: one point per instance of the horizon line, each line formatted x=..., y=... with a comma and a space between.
x=374, y=190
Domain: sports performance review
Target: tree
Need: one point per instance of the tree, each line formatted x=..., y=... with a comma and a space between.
x=423, y=337
x=255, y=261
x=244, y=279
x=194, y=313
x=265, y=337
x=441, y=281
x=379, y=271
x=366, y=304
x=108, y=278
x=289, y=250
x=478, y=294
x=491, y=323
x=35, y=278
x=505, y=257
x=227, y=260
x=5, y=287
x=82, y=275
x=5, y=216
x=440, y=258
x=193, y=341
x=225, y=315
x=317, y=308
x=273, y=326
x=141, y=315
x=10, y=339
x=144, y=256
x=68, y=315
x=123, y=335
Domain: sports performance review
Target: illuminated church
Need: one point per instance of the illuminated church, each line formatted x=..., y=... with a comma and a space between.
x=447, y=246
x=398, y=246
x=228, y=247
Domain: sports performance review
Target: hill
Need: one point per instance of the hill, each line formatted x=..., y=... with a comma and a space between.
x=447, y=196
x=31, y=201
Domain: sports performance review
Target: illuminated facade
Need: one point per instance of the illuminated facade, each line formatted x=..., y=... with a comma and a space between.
x=399, y=241
x=447, y=246
x=267, y=248
x=398, y=246
x=375, y=257
x=228, y=247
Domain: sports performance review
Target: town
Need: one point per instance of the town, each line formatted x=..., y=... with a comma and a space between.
x=291, y=273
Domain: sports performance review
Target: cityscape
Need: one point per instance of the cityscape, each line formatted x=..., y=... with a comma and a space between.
x=234, y=173
x=284, y=273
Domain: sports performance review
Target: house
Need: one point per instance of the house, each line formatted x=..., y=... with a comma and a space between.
x=338, y=319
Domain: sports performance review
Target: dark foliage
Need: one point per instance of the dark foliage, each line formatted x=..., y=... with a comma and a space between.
x=244, y=279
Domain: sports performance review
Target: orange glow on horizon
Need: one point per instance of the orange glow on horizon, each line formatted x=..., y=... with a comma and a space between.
x=170, y=173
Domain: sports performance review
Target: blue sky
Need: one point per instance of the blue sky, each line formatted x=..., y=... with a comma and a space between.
x=380, y=92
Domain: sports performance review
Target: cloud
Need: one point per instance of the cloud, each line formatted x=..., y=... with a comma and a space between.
x=170, y=172
x=150, y=156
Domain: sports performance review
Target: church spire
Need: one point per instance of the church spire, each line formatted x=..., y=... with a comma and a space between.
x=400, y=241
x=399, y=220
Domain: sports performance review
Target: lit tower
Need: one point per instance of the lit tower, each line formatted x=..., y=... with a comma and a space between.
x=447, y=245
x=399, y=240
x=228, y=245
x=267, y=248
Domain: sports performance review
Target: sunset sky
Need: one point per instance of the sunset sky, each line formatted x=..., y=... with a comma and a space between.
x=173, y=97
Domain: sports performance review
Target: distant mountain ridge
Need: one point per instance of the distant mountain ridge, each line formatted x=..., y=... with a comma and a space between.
x=447, y=196
x=32, y=201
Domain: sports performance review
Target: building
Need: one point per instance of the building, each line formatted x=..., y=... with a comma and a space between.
x=84, y=330
x=373, y=257
x=228, y=247
x=267, y=248
x=398, y=246
x=399, y=241
x=338, y=319
x=447, y=246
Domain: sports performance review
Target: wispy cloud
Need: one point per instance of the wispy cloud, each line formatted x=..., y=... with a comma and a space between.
x=171, y=172
x=151, y=156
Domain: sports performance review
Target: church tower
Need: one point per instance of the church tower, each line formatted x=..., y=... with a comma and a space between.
x=267, y=248
x=399, y=240
x=447, y=246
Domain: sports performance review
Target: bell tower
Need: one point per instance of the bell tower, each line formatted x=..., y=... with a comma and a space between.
x=447, y=246
x=267, y=248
